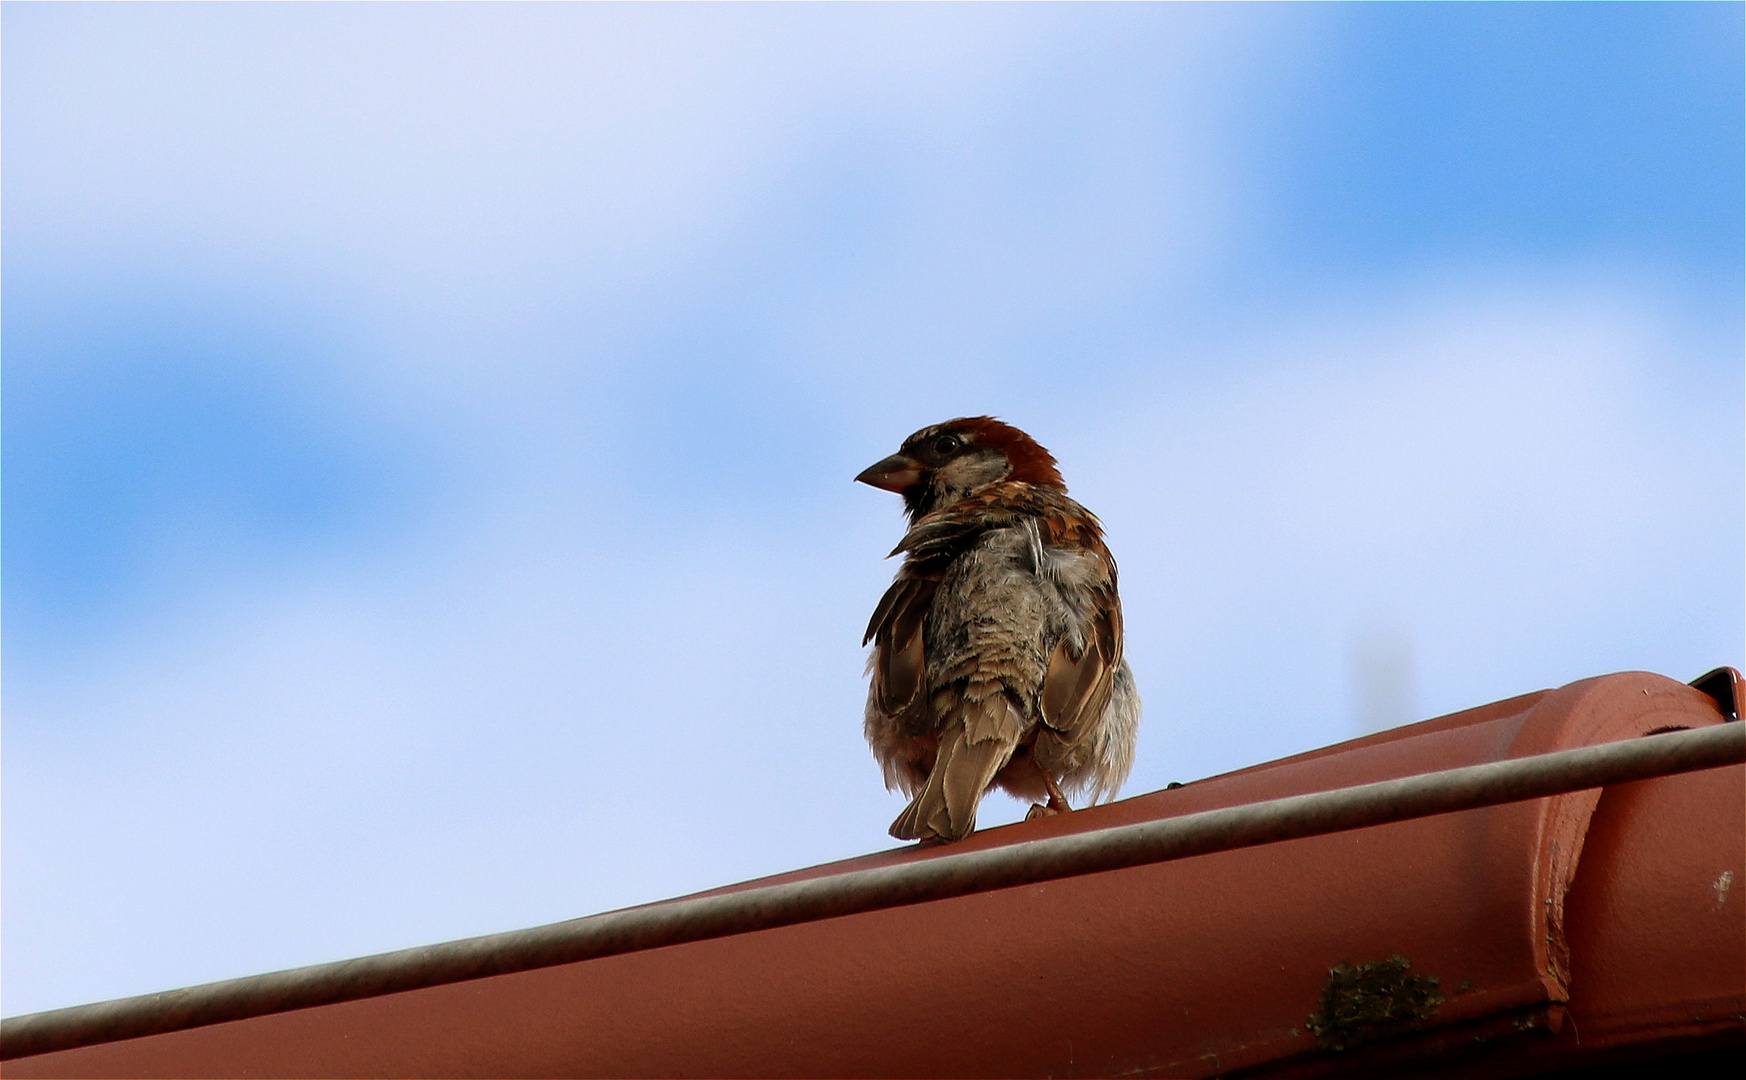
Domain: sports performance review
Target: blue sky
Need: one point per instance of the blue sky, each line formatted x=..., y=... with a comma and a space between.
x=428, y=429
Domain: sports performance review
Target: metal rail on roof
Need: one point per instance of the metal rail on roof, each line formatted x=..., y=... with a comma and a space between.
x=941, y=876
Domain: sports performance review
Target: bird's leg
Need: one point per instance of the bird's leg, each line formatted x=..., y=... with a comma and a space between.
x=1057, y=802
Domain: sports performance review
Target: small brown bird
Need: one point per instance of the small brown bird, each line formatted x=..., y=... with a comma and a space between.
x=997, y=652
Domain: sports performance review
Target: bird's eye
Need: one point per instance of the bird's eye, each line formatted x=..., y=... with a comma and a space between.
x=945, y=444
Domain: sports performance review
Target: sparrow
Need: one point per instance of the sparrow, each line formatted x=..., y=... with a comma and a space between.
x=997, y=651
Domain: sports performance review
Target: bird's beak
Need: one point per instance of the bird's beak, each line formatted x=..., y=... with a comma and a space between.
x=896, y=473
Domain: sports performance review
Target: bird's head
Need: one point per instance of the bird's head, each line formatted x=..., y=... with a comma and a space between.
x=941, y=464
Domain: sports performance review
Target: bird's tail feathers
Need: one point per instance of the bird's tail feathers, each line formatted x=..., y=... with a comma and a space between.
x=945, y=807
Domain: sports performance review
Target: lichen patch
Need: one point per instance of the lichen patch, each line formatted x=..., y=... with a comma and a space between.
x=1371, y=1001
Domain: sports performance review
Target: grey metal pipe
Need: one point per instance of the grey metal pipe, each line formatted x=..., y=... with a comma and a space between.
x=934, y=877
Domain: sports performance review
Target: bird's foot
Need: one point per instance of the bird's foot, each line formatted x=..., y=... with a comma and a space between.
x=1057, y=801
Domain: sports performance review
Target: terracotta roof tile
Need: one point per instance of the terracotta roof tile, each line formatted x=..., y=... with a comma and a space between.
x=1521, y=937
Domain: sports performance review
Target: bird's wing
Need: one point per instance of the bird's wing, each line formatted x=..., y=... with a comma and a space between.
x=899, y=657
x=899, y=660
x=1076, y=688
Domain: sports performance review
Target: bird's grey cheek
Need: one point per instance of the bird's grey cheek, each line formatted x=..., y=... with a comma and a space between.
x=973, y=470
